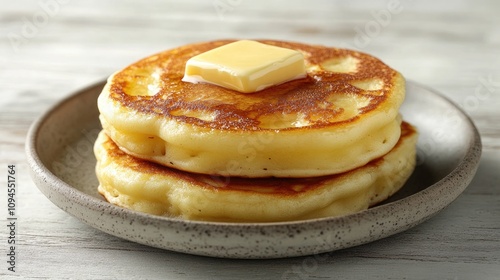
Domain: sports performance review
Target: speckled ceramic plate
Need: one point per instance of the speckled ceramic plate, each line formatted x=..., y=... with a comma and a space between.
x=59, y=150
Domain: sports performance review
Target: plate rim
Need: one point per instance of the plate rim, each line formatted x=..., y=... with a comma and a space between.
x=472, y=156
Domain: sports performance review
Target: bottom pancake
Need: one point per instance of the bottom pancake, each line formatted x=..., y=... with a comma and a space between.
x=151, y=188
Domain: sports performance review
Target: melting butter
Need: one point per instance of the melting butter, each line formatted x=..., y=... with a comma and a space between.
x=245, y=66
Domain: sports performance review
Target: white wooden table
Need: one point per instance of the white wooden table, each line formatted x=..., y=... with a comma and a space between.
x=50, y=48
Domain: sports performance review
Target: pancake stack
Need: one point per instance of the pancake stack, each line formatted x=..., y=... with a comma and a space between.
x=330, y=144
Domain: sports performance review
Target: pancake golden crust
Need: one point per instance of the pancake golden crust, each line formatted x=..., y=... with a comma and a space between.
x=331, y=72
x=341, y=116
x=151, y=188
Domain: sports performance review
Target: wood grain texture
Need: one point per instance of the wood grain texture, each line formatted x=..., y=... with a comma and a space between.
x=50, y=48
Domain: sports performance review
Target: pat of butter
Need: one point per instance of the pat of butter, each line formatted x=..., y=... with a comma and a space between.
x=246, y=66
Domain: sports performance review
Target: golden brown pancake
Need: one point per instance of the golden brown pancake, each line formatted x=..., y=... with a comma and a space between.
x=343, y=115
x=148, y=187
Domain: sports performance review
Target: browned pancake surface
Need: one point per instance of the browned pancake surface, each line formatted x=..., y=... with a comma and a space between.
x=313, y=97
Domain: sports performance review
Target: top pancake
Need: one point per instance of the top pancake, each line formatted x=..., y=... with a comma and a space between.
x=347, y=106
